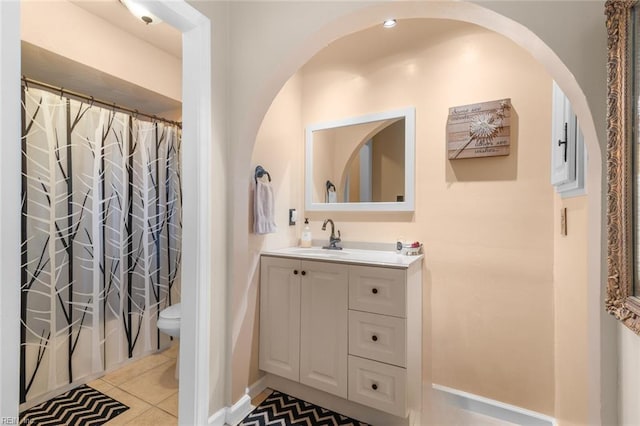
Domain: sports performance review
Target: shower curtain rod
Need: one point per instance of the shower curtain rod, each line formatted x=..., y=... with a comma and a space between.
x=62, y=91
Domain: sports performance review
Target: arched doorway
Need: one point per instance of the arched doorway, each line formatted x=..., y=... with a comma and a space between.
x=471, y=13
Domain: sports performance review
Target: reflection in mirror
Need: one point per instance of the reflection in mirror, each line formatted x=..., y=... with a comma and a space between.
x=376, y=172
x=363, y=163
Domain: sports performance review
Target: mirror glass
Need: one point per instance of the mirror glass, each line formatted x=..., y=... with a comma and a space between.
x=361, y=163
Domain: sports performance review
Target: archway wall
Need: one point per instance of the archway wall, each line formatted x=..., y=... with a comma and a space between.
x=265, y=50
x=487, y=224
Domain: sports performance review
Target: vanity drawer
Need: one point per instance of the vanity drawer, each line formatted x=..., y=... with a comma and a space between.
x=377, y=290
x=378, y=385
x=378, y=337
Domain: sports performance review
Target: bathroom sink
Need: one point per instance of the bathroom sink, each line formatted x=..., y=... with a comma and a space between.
x=350, y=255
x=316, y=251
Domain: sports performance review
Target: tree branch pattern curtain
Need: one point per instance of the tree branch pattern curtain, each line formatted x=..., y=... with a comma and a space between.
x=101, y=238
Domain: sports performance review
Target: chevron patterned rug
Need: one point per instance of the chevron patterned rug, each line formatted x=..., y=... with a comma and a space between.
x=82, y=406
x=280, y=409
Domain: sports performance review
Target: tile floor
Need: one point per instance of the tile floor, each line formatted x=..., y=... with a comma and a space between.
x=148, y=386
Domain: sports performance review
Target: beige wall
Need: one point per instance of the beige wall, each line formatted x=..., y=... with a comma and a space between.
x=487, y=224
x=259, y=51
x=570, y=299
x=280, y=150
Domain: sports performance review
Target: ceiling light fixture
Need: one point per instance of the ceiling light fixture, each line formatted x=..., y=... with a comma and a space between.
x=389, y=23
x=140, y=12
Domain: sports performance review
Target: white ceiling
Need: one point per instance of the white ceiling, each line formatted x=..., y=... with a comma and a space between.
x=162, y=35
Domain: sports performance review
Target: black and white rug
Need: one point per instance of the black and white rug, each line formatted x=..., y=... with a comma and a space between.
x=280, y=409
x=82, y=406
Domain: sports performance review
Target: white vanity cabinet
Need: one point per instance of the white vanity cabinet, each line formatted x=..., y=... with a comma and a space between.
x=350, y=329
x=303, y=322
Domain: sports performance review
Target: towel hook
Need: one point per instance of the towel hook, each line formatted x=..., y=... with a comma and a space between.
x=260, y=171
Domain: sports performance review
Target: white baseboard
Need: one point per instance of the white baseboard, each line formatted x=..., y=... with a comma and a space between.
x=257, y=388
x=239, y=410
x=218, y=418
x=232, y=415
x=493, y=408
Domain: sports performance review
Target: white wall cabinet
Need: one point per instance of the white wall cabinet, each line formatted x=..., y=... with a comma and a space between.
x=568, y=155
x=344, y=329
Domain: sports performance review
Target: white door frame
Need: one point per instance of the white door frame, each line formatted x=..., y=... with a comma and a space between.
x=197, y=215
x=10, y=170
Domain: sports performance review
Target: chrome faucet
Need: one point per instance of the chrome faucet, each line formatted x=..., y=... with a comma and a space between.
x=333, y=240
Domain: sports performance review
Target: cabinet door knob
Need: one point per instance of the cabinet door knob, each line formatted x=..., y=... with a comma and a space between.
x=295, y=272
x=374, y=290
x=374, y=386
x=374, y=338
x=304, y=272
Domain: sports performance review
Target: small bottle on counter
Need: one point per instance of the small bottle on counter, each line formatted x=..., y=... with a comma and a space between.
x=305, y=238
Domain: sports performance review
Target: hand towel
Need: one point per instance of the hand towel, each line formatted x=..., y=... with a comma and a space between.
x=263, y=209
x=333, y=196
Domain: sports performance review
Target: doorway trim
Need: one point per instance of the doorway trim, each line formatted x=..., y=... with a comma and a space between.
x=10, y=171
x=197, y=212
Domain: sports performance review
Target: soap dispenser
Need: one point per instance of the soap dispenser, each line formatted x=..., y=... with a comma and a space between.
x=305, y=239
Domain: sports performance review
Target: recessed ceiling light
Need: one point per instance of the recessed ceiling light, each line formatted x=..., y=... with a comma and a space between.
x=389, y=23
x=140, y=12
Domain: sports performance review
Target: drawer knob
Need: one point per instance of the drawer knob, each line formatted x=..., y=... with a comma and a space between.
x=295, y=272
x=374, y=386
x=374, y=290
x=374, y=338
x=304, y=272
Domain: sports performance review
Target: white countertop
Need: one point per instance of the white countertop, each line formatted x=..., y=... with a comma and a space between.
x=355, y=256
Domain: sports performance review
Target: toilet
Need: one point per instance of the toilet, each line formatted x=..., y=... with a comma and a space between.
x=169, y=323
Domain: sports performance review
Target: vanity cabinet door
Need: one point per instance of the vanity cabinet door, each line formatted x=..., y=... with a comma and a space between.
x=324, y=327
x=280, y=316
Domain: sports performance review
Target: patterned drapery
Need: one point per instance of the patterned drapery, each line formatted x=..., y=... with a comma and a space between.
x=101, y=238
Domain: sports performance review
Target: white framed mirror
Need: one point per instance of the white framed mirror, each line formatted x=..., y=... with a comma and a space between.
x=364, y=163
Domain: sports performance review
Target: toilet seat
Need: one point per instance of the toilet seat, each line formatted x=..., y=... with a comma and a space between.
x=169, y=320
x=172, y=312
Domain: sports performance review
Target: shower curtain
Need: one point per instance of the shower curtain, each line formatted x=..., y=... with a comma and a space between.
x=101, y=238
